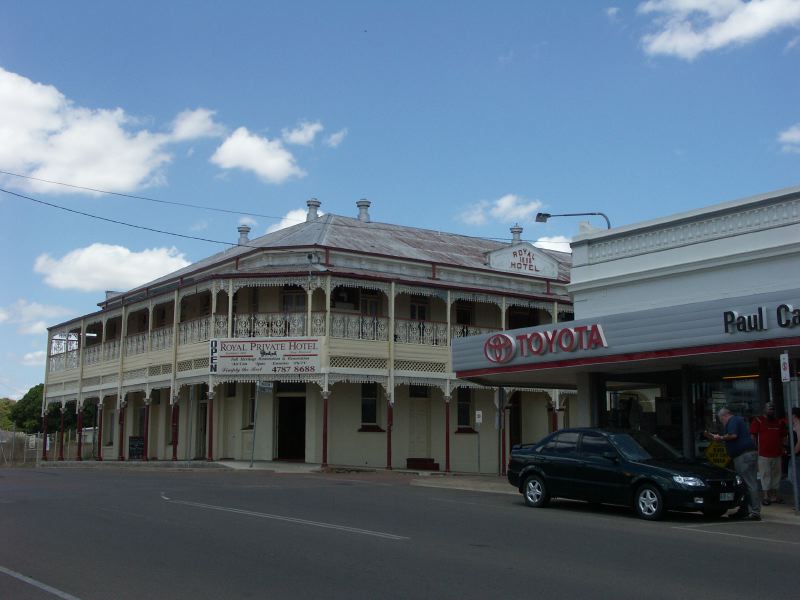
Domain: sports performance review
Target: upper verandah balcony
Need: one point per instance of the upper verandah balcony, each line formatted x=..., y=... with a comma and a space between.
x=419, y=316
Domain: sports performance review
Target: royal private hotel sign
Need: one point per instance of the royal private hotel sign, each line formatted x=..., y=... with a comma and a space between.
x=264, y=356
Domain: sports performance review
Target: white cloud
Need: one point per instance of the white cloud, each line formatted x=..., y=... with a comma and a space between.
x=31, y=317
x=266, y=158
x=249, y=221
x=43, y=134
x=194, y=124
x=199, y=226
x=687, y=28
x=100, y=267
x=612, y=12
x=505, y=209
x=792, y=43
x=293, y=217
x=303, y=134
x=558, y=242
x=34, y=359
x=790, y=138
x=334, y=139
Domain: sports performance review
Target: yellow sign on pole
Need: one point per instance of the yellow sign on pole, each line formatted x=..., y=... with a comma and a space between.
x=717, y=455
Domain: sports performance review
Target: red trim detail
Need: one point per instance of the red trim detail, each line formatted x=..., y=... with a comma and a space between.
x=146, y=431
x=446, y=436
x=80, y=432
x=210, y=419
x=389, y=424
x=324, y=431
x=636, y=356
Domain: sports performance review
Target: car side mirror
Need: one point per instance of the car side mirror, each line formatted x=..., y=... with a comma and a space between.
x=610, y=455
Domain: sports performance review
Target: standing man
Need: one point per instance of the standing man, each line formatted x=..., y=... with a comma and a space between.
x=769, y=433
x=742, y=450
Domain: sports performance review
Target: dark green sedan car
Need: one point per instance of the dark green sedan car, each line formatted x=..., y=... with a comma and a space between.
x=629, y=468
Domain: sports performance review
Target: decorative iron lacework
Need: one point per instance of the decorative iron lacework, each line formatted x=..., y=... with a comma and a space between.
x=157, y=370
x=184, y=365
x=413, y=290
x=476, y=297
x=135, y=374
x=361, y=283
x=302, y=282
x=537, y=304
x=440, y=384
x=194, y=290
x=421, y=366
x=357, y=362
x=457, y=383
x=315, y=379
x=334, y=378
x=133, y=389
x=201, y=363
x=704, y=230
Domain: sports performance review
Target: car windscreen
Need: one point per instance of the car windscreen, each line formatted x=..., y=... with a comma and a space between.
x=639, y=446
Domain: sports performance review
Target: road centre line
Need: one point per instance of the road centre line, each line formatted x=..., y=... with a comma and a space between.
x=38, y=584
x=738, y=535
x=249, y=513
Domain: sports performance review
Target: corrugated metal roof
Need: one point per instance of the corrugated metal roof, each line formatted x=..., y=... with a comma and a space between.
x=345, y=233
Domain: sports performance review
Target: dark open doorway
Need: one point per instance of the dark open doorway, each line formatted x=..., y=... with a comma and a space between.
x=292, y=428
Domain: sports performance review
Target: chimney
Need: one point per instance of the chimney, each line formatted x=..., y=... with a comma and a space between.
x=363, y=210
x=313, y=205
x=243, y=231
x=516, y=231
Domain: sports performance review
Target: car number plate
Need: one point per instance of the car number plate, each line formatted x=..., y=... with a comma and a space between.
x=726, y=497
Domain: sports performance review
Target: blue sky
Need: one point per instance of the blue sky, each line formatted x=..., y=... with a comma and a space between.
x=465, y=117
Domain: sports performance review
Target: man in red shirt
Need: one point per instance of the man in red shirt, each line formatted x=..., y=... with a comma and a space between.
x=769, y=433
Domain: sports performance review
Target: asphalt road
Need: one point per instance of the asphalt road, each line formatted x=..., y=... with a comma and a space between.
x=214, y=534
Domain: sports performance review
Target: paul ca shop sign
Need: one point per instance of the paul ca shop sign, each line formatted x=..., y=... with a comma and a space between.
x=502, y=348
x=786, y=316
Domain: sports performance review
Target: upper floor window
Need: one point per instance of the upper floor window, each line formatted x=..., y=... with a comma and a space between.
x=418, y=310
x=370, y=304
x=294, y=300
x=464, y=314
x=464, y=408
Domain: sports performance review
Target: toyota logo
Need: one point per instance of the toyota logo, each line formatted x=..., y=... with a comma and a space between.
x=500, y=348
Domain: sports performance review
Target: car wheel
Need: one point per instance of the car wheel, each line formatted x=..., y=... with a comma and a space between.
x=714, y=513
x=535, y=492
x=648, y=503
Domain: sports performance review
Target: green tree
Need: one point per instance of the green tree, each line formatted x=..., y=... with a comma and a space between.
x=26, y=413
x=5, y=408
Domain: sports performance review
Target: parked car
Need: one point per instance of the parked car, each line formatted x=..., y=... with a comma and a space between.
x=628, y=468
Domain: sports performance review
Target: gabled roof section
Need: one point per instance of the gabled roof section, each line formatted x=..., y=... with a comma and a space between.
x=349, y=234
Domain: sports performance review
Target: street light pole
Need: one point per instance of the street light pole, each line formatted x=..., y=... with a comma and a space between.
x=542, y=217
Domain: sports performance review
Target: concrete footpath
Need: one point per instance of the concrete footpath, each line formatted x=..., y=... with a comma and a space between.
x=490, y=484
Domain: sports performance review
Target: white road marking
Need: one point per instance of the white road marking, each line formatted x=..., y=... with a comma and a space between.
x=738, y=535
x=249, y=513
x=38, y=584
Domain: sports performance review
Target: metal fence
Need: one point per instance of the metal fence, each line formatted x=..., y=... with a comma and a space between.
x=24, y=449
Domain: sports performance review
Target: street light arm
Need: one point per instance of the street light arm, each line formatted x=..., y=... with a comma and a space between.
x=542, y=217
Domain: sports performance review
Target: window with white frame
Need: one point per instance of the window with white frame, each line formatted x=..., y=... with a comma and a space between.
x=249, y=407
x=369, y=404
x=464, y=408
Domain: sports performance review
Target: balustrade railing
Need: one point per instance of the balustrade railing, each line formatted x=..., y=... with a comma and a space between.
x=56, y=362
x=136, y=343
x=93, y=354
x=430, y=333
x=220, y=326
x=161, y=338
x=111, y=350
x=351, y=326
x=196, y=330
x=270, y=325
x=459, y=331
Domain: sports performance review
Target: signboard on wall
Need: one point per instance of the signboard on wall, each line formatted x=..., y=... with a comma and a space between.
x=524, y=259
x=264, y=356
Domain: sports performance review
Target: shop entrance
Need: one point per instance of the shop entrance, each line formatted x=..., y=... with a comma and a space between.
x=291, y=428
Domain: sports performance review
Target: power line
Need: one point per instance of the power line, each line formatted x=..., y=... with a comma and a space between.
x=188, y=205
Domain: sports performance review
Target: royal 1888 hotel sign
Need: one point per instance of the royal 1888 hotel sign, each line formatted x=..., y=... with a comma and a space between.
x=278, y=356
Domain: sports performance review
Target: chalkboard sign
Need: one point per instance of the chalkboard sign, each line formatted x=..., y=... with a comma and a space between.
x=135, y=447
